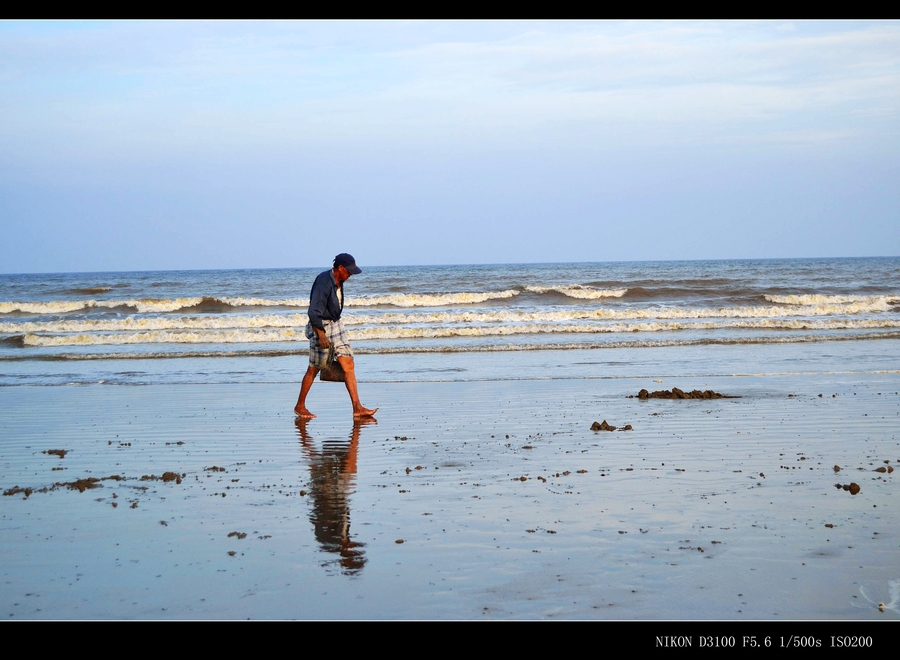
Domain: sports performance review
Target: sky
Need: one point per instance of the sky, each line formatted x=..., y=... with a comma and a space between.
x=204, y=145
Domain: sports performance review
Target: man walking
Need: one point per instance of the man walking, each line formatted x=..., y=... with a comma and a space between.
x=325, y=329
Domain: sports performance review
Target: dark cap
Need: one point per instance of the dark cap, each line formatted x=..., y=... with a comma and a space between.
x=348, y=262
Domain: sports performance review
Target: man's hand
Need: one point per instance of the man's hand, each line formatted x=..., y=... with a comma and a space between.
x=323, y=339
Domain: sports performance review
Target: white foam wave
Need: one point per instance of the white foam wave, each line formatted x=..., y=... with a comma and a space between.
x=148, y=305
x=454, y=323
x=137, y=323
x=53, y=307
x=265, y=302
x=289, y=334
x=609, y=328
x=63, y=306
x=395, y=300
x=516, y=316
x=430, y=299
x=605, y=314
x=579, y=291
x=639, y=343
x=550, y=346
x=799, y=305
x=880, y=302
x=166, y=337
x=170, y=305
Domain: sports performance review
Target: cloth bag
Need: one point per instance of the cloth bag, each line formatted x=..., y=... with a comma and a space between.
x=332, y=371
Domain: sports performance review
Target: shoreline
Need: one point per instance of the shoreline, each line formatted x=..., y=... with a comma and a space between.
x=704, y=361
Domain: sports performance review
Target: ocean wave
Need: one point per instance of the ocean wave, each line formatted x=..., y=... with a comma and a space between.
x=226, y=303
x=52, y=307
x=166, y=337
x=265, y=302
x=449, y=318
x=579, y=291
x=290, y=334
x=485, y=348
x=639, y=343
x=607, y=314
x=611, y=328
x=16, y=341
x=453, y=322
x=882, y=302
x=790, y=305
x=394, y=299
x=91, y=290
x=149, y=305
x=64, y=306
x=137, y=323
x=430, y=299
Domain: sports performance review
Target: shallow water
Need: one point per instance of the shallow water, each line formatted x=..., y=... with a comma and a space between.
x=672, y=520
x=214, y=316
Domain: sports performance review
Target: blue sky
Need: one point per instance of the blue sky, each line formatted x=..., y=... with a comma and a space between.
x=158, y=145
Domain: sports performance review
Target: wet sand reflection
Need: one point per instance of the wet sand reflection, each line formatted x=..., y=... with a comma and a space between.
x=332, y=481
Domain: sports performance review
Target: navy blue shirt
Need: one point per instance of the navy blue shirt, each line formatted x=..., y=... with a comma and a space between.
x=323, y=300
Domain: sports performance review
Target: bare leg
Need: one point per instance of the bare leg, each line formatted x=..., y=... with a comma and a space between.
x=308, y=378
x=350, y=382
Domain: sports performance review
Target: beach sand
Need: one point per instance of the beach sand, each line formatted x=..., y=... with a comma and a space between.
x=467, y=500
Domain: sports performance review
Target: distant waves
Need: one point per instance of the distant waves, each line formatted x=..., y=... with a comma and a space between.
x=452, y=308
x=224, y=304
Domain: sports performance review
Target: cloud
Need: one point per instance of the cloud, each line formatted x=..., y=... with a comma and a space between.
x=211, y=128
x=146, y=86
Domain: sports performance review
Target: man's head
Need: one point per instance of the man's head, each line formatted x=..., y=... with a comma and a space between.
x=348, y=262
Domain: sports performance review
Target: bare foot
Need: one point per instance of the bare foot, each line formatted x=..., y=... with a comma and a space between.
x=303, y=413
x=364, y=412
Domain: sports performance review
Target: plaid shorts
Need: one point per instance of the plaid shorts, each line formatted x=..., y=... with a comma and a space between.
x=337, y=335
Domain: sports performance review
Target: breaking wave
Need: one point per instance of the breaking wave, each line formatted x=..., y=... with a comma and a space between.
x=579, y=291
x=65, y=306
x=166, y=337
x=133, y=323
x=871, y=302
x=785, y=305
x=450, y=318
x=486, y=348
x=224, y=304
x=233, y=335
x=92, y=290
x=429, y=299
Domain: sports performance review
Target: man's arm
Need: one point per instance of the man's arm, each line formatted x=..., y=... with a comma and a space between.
x=318, y=300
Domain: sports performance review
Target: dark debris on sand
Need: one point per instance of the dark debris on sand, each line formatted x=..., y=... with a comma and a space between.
x=88, y=483
x=676, y=393
x=167, y=476
x=15, y=490
x=80, y=485
x=603, y=426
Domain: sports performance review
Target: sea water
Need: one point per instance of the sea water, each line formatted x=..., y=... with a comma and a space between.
x=472, y=496
x=462, y=322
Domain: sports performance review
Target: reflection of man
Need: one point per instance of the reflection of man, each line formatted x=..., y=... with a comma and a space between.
x=332, y=474
x=325, y=329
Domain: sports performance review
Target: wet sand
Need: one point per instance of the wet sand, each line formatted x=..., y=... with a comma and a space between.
x=466, y=500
